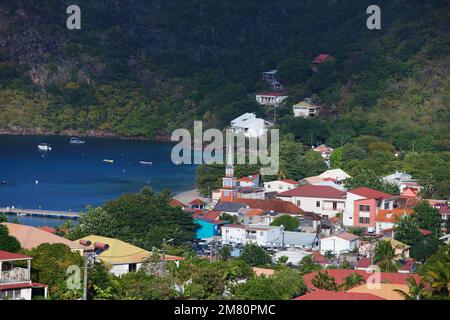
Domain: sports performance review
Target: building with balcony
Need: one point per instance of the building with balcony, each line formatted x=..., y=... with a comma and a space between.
x=324, y=200
x=15, y=278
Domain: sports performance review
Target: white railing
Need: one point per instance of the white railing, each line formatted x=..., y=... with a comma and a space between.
x=14, y=275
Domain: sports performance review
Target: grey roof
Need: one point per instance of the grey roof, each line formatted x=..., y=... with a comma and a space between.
x=300, y=238
x=229, y=206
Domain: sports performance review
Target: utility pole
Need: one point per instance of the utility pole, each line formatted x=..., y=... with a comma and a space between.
x=85, y=276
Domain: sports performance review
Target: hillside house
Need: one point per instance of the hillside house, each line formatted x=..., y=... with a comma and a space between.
x=271, y=98
x=280, y=185
x=249, y=125
x=305, y=109
x=15, y=278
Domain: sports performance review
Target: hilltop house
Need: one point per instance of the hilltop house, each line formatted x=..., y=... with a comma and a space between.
x=324, y=151
x=280, y=185
x=362, y=207
x=387, y=219
x=264, y=236
x=318, y=60
x=305, y=109
x=250, y=126
x=15, y=279
x=403, y=180
x=271, y=98
x=324, y=200
x=121, y=256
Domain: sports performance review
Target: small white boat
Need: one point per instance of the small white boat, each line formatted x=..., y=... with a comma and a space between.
x=108, y=160
x=145, y=162
x=44, y=147
x=76, y=141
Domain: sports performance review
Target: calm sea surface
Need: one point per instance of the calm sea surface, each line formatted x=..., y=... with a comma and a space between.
x=70, y=177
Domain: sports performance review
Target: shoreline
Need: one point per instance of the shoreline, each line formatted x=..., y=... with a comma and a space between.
x=87, y=134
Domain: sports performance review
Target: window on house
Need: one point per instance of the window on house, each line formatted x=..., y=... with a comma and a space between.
x=132, y=267
x=335, y=205
x=318, y=204
x=298, y=203
x=364, y=208
x=386, y=205
x=364, y=220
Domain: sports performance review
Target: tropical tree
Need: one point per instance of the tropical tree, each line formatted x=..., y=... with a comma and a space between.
x=289, y=223
x=7, y=242
x=325, y=281
x=407, y=231
x=254, y=255
x=384, y=256
x=351, y=281
x=438, y=276
x=416, y=290
x=427, y=217
x=307, y=265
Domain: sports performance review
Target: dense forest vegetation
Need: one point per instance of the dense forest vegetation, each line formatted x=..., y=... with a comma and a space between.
x=144, y=68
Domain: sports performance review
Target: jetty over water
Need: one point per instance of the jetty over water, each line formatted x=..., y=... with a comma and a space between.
x=41, y=213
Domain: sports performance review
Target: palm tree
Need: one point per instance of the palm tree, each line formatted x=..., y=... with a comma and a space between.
x=324, y=281
x=384, y=257
x=351, y=281
x=416, y=290
x=438, y=275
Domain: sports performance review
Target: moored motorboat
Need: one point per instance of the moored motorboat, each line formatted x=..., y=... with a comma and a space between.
x=146, y=162
x=108, y=160
x=74, y=140
x=44, y=147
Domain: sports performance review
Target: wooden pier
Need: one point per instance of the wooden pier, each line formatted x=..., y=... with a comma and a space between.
x=41, y=213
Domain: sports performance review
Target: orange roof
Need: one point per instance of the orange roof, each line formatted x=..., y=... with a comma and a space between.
x=339, y=295
x=254, y=212
x=197, y=202
x=392, y=215
x=245, y=179
x=370, y=193
x=177, y=203
x=211, y=215
x=276, y=205
x=340, y=274
x=290, y=181
x=263, y=271
x=31, y=237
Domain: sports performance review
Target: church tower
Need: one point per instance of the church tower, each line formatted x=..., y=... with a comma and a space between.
x=228, y=193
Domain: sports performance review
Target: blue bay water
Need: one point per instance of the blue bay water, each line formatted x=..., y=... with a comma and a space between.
x=70, y=177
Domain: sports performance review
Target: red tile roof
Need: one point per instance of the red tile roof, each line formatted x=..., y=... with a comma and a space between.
x=211, y=215
x=370, y=193
x=321, y=58
x=364, y=263
x=339, y=295
x=319, y=258
x=425, y=232
x=197, y=202
x=344, y=235
x=290, y=181
x=340, y=274
x=177, y=203
x=392, y=215
x=312, y=191
x=5, y=255
x=276, y=205
x=245, y=179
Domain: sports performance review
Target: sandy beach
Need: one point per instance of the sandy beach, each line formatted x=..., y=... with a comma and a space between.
x=188, y=196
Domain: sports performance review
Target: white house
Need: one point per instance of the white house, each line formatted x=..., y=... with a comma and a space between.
x=338, y=175
x=280, y=185
x=15, y=277
x=339, y=243
x=403, y=180
x=324, y=200
x=249, y=125
x=305, y=109
x=262, y=235
x=270, y=98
